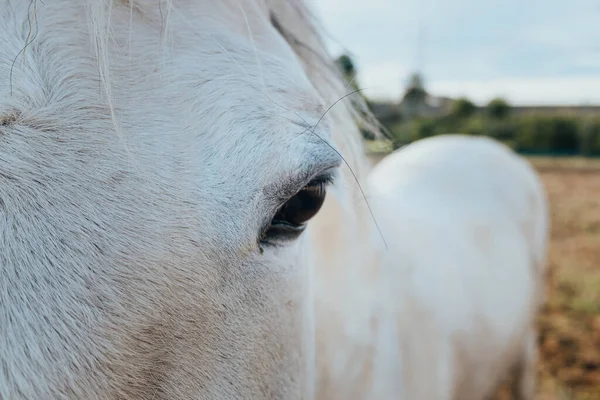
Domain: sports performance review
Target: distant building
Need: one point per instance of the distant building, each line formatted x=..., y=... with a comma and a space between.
x=386, y=111
x=416, y=102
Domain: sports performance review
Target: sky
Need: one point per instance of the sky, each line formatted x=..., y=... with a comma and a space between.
x=531, y=52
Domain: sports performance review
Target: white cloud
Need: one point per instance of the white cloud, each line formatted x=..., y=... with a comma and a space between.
x=539, y=51
x=588, y=60
x=542, y=91
x=383, y=83
x=383, y=80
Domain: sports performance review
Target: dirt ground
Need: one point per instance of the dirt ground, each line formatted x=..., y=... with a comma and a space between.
x=569, y=324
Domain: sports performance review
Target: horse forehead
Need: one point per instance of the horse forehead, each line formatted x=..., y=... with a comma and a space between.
x=242, y=49
x=246, y=106
x=246, y=18
x=225, y=9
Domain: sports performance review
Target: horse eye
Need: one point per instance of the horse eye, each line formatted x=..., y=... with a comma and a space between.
x=290, y=220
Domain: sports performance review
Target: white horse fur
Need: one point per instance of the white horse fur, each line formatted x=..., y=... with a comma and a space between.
x=143, y=147
x=470, y=222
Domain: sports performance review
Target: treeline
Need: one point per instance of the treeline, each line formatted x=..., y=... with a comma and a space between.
x=543, y=134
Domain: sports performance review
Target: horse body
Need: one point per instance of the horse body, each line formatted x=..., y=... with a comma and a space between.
x=468, y=223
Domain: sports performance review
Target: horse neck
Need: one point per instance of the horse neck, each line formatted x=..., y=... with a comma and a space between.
x=347, y=292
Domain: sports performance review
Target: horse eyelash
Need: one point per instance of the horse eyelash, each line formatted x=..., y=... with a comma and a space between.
x=312, y=130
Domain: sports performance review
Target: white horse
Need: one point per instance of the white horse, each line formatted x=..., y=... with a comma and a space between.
x=160, y=162
x=470, y=223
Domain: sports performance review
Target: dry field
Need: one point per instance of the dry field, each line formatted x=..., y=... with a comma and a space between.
x=569, y=324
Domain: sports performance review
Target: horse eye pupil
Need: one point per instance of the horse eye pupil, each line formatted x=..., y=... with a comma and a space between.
x=290, y=220
x=303, y=206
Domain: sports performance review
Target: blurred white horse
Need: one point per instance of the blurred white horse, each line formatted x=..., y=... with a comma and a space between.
x=159, y=163
x=470, y=225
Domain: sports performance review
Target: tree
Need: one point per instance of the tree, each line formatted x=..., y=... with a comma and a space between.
x=415, y=91
x=348, y=68
x=590, y=137
x=548, y=133
x=498, y=108
x=414, y=101
x=346, y=65
x=463, y=108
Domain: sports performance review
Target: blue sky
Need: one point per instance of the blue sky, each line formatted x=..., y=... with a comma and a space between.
x=528, y=51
